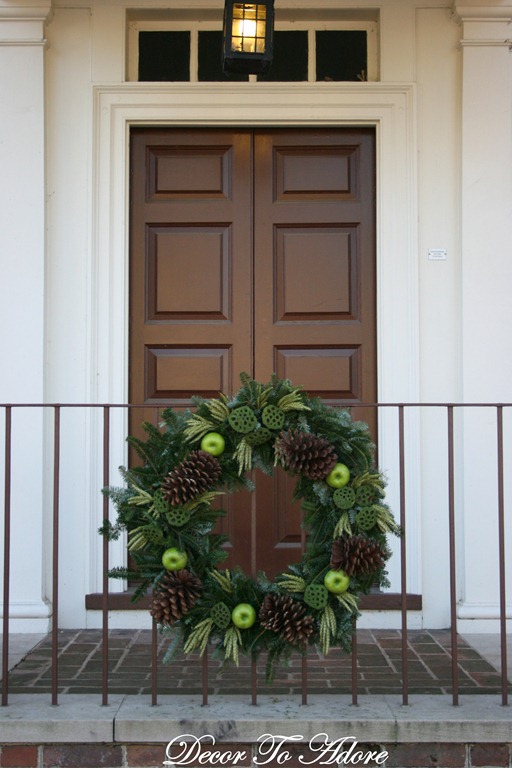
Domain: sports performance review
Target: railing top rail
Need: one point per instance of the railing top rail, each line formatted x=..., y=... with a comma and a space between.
x=448, y=404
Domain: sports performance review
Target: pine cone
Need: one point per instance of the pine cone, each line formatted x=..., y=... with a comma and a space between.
x=282, y=614
x=305, y=454
x=357, y=555
x=195, y=475
x=174, y=596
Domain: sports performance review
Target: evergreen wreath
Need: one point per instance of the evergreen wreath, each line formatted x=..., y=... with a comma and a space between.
x=166, y=509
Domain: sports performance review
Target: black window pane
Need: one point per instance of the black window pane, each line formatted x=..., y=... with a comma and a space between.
x=290, y=60
x=209, y=65
x=164, y=56
x=341, y=55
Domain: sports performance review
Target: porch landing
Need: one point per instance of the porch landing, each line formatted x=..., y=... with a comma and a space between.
x=80, y=732
x=379, y=661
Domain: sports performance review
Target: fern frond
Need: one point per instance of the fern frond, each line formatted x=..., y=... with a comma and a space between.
x=232, y=641
x=290, y=582
x=327, y=629
x=141, y=498
x=293, y=401
x=243, y=456
x=205, y=498
x=139, y=537
x=262, y=398
x=197, y=427
x=199, y=636
x=368, y=478
x=218, y=410
x=342, y=526
x=223, y=580
x=385, y=520
x=349, y=601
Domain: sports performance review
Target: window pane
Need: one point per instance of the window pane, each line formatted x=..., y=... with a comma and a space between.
x=164, y=56
x=210, y=58
x=341, y=55
x=290, y=57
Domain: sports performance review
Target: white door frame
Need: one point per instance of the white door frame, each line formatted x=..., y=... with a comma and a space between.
x=390, y=108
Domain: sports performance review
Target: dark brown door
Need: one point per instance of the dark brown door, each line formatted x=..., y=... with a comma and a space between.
x=253, y=250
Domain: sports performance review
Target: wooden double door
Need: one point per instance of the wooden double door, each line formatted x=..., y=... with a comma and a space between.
x=253, y=250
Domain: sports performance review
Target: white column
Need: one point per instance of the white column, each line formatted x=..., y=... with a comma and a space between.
x=22, y=201
x=22, y=256
x=487, y=199
x=486, y=239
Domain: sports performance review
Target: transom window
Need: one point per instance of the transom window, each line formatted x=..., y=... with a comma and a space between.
x=189, y=50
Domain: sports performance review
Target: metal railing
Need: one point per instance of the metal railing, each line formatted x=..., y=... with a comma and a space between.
x=400, y=411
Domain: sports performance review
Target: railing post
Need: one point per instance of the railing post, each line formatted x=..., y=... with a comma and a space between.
x=104, y=601
x=154, y=626
x=55, y=564
x=205, y=676
x=7, y=555
x=304, y=657
x=254, y=569
x=353, y=660
x=403, y=557
x=154, y=663
x=501, y=556
x=453, y=573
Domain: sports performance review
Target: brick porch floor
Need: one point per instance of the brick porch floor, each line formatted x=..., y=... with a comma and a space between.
x=379, y=667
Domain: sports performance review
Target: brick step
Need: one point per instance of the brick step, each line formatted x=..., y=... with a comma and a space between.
x=425, y=755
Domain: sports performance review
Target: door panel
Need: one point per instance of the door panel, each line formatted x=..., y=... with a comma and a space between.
x=253, y=251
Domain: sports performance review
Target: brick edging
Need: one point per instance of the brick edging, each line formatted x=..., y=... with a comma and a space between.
x=419, y=755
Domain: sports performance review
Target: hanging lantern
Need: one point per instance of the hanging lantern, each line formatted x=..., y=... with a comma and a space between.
x=247, y=44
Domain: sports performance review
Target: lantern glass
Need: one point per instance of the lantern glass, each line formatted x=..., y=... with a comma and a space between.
x=249, y=28
x=248, y=36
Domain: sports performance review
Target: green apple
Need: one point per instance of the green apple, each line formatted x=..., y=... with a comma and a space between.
x=213, y=443
x=243, y=616
x=174, y=559
x=338, y=476
x=336, y=582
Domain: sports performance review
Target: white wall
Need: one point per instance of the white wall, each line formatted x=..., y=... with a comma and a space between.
x=22, y=224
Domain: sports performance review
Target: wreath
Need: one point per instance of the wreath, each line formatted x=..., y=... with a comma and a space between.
x=166, y=508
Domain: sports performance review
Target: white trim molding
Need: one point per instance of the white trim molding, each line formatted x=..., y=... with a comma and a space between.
x=468, y=610
x=492, y=10
x=486, y=43
x=20, y=12
x=28, y=616
x=23, y=43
